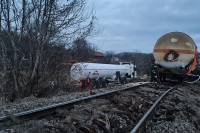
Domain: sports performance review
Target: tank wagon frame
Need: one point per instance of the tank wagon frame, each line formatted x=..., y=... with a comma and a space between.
x=100, y=75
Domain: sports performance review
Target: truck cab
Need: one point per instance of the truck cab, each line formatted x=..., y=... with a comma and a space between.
x=131, y=69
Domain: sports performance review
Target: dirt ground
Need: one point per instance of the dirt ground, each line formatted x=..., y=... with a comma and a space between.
x=33, y=102
x=117, y=113
x=114, y=113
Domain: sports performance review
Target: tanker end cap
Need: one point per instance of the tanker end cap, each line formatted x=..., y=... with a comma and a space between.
x=76, y=71
x=174, y=49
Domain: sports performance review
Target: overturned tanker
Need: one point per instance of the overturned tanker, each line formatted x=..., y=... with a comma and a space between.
x=99, y=75
x=176, y=55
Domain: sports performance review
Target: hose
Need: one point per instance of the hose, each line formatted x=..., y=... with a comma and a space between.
x=194, y=80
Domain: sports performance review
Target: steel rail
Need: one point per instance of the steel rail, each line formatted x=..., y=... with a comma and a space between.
x=140, y=124
x=61, y=104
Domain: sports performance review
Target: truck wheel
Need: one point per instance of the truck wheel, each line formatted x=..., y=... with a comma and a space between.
x=99, y=83
x=104, y=83
x=83, y=84
x=94, y=84
x=123, y=81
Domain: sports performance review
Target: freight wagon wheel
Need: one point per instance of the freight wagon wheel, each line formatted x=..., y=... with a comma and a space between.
x=180, y=79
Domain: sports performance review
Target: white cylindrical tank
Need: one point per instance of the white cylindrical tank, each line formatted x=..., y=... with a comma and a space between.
x=80, y=71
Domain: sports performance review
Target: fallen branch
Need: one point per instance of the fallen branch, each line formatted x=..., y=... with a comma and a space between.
x=77, y=111
x=102, y=126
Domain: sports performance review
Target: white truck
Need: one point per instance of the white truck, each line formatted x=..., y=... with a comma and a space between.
x=99, y=75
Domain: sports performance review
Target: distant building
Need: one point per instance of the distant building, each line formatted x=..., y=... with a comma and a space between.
x=73, y=61
x=114, y=60
x=97, y=57
x=94, y=58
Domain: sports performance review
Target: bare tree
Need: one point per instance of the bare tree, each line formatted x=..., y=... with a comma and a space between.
x=143, y=61
x=31, y=29
x=81, y=50
x=108, y=56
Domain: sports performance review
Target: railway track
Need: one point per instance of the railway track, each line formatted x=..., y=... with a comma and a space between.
x=128, y=105
x=38, y=112
x=142, y=123
x=114, y=111
x=176, y=110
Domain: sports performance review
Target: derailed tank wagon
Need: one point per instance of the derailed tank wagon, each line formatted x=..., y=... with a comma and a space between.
x=99, y=75
x=176, y=56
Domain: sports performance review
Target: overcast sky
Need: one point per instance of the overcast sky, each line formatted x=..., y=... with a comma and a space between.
x=135, y=25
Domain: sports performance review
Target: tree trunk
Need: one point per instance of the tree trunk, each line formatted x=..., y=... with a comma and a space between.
x=15, y=65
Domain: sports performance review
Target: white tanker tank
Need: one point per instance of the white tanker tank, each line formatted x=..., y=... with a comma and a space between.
x=81, y=71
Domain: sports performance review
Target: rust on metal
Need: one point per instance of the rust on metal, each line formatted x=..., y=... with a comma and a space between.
x=174, y=50
x=176, y=41
x=183, y=51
